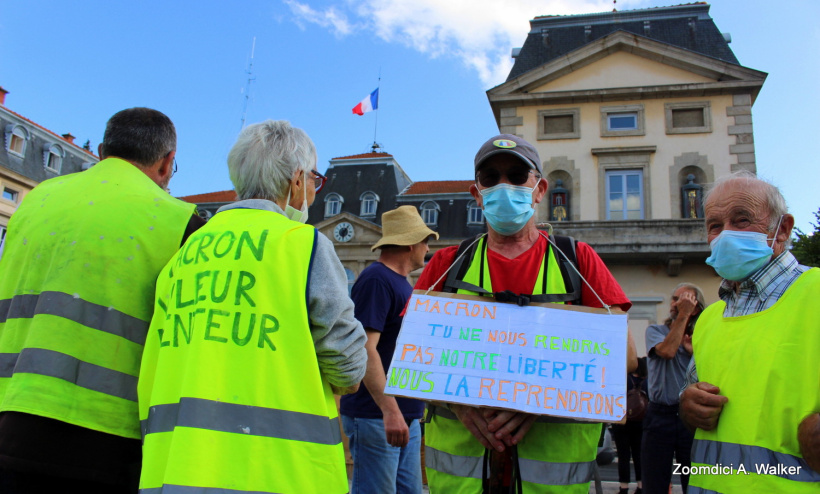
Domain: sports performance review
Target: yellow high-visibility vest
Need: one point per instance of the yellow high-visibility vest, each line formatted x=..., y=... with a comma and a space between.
x=552, y=457
x=768, y=365
x=77, y=281
x=231, y=395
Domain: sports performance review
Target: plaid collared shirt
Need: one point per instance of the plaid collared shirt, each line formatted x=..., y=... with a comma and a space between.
x=755, y=294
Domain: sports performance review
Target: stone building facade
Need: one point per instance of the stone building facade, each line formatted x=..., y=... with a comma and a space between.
x=633, y=113
x=30, y=154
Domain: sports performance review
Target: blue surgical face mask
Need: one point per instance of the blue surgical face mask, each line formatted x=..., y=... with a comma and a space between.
x=507, y=207
x=736, y=255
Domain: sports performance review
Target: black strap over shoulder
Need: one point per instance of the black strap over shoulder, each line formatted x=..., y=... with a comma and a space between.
x=453, y=282
x=572, y=280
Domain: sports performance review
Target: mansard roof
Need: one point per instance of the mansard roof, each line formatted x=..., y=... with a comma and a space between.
x=687, y=26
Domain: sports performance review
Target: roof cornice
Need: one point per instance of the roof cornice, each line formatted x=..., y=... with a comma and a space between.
x=620, y=94
x=631, y=43
x=440, y=196
x=698, y=9
x=383, y=160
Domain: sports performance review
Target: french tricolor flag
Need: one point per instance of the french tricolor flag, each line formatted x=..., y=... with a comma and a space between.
x=368, y=104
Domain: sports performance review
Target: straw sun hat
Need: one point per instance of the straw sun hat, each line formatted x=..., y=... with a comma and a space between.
x=403, y=226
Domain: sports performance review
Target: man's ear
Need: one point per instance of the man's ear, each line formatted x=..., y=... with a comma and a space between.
x=540, y=190
x=478, y=198
x=166, y=166
x=785, y=230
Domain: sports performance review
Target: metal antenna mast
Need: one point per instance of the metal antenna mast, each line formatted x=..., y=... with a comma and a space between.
x=251, y=78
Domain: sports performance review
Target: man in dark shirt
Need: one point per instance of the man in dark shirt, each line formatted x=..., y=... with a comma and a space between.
x=384, y=432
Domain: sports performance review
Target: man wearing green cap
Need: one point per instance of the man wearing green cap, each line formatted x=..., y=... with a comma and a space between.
x=384, y=432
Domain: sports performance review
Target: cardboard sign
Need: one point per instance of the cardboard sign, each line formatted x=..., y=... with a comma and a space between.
x=545, y=359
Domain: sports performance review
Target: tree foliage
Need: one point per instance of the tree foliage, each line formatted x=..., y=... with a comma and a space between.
x=806, y=248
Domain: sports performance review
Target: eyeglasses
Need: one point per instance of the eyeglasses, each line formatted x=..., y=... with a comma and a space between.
x=516, y=176
x=175, y=166
x=319, y=180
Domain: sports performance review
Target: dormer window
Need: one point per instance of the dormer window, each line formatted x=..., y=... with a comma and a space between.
x=370, y=202
x=429, y=213
x=475, y=216
x=333, y=205
x=16, y=138
x=53, y=157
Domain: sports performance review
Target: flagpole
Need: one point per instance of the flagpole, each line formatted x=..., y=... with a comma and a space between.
x=376, y=125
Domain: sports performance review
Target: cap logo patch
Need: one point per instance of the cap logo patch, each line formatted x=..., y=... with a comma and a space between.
x=504, y=143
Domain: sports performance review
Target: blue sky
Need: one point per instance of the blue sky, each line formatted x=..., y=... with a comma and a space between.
x=70, y=66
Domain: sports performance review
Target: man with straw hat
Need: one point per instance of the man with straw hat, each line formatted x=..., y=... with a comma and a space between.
x=384, y=432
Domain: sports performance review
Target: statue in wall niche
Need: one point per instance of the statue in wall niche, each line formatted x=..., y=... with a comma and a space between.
x=559, y=202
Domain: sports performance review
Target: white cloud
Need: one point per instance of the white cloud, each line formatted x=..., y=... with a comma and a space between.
x=330, y=18
x=480, y=33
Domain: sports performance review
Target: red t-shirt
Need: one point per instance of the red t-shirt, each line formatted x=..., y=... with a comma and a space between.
x=519, y=275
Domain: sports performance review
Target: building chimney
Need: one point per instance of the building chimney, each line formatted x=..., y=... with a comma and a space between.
x=3, y=94
x=68, y=137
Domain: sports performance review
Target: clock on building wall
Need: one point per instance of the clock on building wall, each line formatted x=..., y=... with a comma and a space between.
x=343, y=232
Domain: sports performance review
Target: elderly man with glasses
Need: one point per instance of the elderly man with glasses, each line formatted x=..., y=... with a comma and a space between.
x=514, y=261
x=252, y=334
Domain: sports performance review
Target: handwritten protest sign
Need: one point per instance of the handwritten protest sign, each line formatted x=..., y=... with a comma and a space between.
x=545, y=359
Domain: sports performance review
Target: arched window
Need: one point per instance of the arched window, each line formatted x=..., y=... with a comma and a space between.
x=429, y=213
x=370, y=202
x=53, y=157
x=475, y=215
x=351, y=279
x=333, y=204
x=16, y=138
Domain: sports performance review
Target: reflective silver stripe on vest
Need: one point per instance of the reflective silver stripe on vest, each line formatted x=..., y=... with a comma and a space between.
x=460, y=466
x=550, y=473
x=7, y=363
x=716, y=452
x=186, y=489
x=534, y=471
x=242, y=419
x=65, y=367
x=75, y=309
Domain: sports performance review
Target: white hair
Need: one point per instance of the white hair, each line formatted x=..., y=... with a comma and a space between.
x=266, y=156
x=775, y=203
